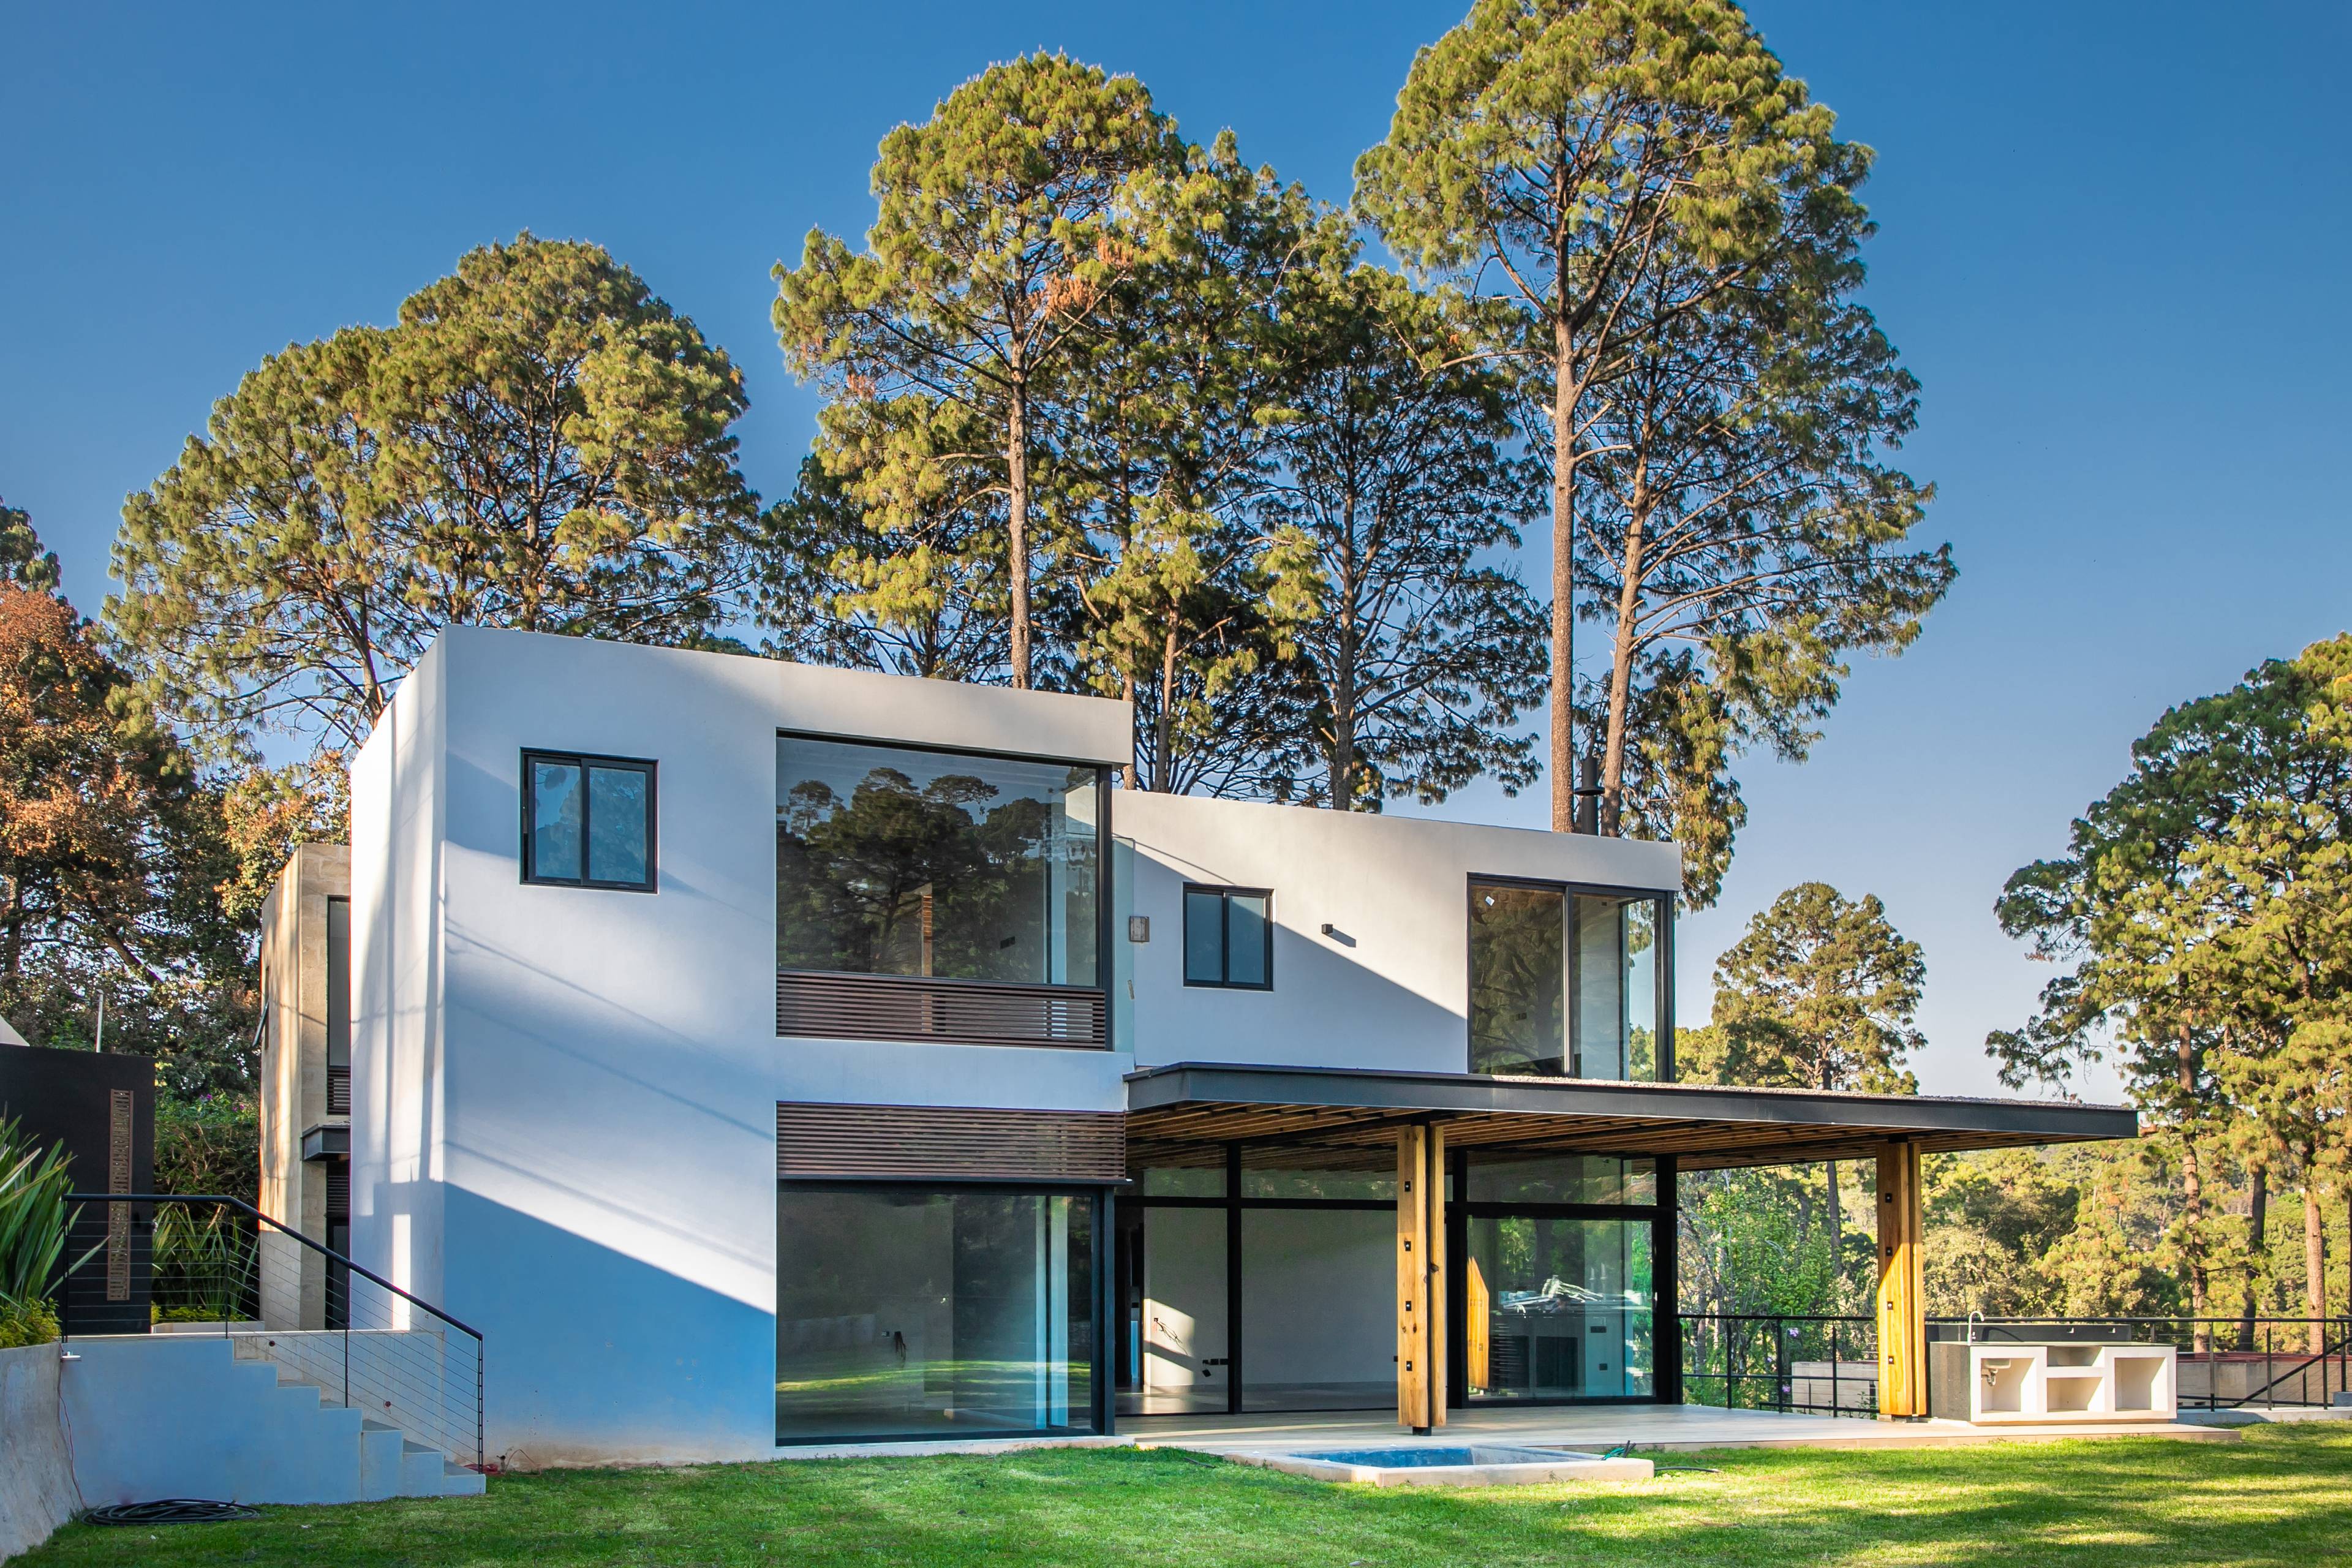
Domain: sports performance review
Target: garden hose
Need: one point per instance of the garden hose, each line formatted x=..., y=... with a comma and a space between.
x=170, y=1510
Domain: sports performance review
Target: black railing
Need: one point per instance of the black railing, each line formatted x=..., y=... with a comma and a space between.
x=1823, y=1365
x=1794, y=1363
x=154, y=1262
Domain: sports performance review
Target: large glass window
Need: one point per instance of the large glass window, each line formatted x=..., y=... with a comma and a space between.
x=1562, y=983
x=891, y=861
x=1557, y=1308
x=902, y=1312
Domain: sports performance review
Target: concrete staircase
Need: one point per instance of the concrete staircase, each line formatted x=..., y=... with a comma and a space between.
x=185, y=1415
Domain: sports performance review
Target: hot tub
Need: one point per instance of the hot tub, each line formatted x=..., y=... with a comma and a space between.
x=1450, y=1464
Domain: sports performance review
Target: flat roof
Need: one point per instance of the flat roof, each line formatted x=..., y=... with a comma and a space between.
x=1706, y=1126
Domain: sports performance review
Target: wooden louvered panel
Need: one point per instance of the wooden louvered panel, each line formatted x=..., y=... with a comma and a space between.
x=949, y=1141
x=955, y=1012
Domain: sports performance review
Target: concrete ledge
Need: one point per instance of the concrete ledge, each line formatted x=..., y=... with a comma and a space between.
x=1488, y=1465
x=36, y=1482
x=973, y=1446
x=2263, y=1417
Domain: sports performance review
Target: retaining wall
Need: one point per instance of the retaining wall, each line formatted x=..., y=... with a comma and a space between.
x=37, y=1483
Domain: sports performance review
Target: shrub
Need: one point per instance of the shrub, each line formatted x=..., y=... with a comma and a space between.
x=27, y=1323
x=33, y=1222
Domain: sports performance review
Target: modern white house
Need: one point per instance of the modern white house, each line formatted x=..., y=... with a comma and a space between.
x=762, y=1056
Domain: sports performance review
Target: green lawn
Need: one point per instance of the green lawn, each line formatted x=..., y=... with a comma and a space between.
x=2282, y=1496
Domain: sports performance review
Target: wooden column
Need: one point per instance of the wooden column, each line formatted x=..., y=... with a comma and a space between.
x=1413, y=1249
x=1902, y=1293
x=1433, y=1189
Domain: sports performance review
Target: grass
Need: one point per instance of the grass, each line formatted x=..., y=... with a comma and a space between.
x=2282, y=1496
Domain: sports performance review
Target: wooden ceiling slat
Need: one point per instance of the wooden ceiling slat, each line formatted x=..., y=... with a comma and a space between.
x=1174, y=1133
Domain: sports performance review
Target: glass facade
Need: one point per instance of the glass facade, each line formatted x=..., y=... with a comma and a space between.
x=1557, y=1307
x=905, y=1312
x=1563, y=983
x=1562, y=1179
x=891, y=861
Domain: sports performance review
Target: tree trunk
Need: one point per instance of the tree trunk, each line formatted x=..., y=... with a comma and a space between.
x=12, y=945
x=1343, y=673
x=2314, y=1263
x=2192, y=1208
x=1016, y=467
x=2192, y=1192
x=1563, y=573
x=2258, y=1212
x=1163, y=765
x=1837, y=1239
x=1621, y=666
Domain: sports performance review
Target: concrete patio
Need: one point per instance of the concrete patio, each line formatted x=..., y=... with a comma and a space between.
x=1593, y=1428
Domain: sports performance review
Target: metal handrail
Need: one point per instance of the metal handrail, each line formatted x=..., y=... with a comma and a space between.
x=448, y=1437
x=322, y=1250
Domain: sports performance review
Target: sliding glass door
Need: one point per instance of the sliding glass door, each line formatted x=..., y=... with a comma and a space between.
x=904, y=1311
x=1556, y=1283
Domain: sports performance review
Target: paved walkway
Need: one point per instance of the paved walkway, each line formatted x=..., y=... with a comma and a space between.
x=1596, y=1427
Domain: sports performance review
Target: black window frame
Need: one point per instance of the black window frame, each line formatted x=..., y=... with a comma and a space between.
x=1226, y=896
x=1668, y=907
x=1106, y=912
x=1102, y=1201
x=583, y=761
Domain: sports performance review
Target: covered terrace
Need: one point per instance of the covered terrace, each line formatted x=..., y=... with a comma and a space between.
x=1469, y=1150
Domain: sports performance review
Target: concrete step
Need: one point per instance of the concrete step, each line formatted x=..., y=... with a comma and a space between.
x=188, y=1415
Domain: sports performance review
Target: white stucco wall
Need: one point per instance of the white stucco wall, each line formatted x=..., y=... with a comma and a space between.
x=564, y=1132
x=1389, y=987
x=563, y=1098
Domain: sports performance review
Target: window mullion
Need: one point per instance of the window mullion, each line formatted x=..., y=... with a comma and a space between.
x=587, y=805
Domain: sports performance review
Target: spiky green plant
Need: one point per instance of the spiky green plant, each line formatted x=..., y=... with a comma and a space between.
x=33, y=1220
x=203, y=1265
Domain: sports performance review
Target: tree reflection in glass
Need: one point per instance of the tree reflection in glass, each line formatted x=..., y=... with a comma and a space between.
x=896, y=861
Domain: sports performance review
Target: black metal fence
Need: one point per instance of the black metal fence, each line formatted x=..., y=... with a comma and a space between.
x=1816, y=1365
x=156, y=1263
x=1824, y=1364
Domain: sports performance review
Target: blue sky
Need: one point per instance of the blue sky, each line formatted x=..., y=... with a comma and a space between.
x=2113, y=248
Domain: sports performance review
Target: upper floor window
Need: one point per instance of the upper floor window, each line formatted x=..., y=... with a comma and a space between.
x=1565, y=983
x=588, y=822
x=1229, y=938
x=897, y=860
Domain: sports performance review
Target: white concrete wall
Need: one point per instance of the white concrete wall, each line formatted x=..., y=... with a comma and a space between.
x=37, y=1484
x=1315, y=1294
x=1389, y=987
x=398, y=792
x=592, y=1120
x=1184, y=1300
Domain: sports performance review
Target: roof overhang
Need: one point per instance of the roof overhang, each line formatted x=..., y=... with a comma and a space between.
x=1705, y=1126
